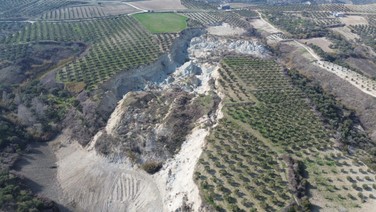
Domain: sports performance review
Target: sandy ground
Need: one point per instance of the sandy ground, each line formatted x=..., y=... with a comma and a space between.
x=353, y=20
x=158, y=5
x=323, y=43
x=309, y=50
x=92, y=183
x=263, y=26
x=345, y=31
x=39, y=166
x=225, y=30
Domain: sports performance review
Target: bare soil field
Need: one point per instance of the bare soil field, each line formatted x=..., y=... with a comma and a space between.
x=159, y=5
x=353, y=19
x=117, y=9
x=345, y=31
x=225, y=30
x=92, y=183
x=240, y=5
x=264, y=26
x=323, y=43
x=364, y=65
x=39, y=166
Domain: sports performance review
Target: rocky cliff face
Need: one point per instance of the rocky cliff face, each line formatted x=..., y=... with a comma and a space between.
x=95, y=113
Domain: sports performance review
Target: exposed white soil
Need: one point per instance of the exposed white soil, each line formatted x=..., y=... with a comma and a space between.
x=205, y=47
x=115, y=117
x=225, y=30
x=175, y=180
x=93, y=183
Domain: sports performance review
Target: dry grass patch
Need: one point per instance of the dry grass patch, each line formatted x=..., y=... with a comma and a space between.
x=353, y=19
x=345, y=31
x=323, y=43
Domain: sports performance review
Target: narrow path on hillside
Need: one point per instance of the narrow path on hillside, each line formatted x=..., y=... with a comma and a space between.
x=363, y=83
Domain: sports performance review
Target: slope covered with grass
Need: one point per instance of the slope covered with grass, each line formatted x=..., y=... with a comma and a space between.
x=162, y=22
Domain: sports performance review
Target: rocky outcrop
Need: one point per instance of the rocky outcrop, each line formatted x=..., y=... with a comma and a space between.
x=213, y=47
x=151, y=125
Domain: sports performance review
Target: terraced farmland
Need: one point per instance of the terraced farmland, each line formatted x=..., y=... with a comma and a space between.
x=88, y=11
x=85, y=31
x=127, y=48
x=267, y=117
x=29, y=8
x=74, y=13
x=118, y=44
x=367, y=34
x=215, y=18
x=198, y=5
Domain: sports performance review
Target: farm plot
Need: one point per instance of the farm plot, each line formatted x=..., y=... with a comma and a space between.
x=162, y=22
x=268, y=123
x=125, y=49
x=30, y=8
x=204, y=18
x=165, y=40
x=323, y=19
x=159, y=5
x=247, y=13
x=354, y=19
x=13, y=52
x=367, y=34
x=368, y=8
x=85, y=31
x=301, y=7
x=85, y=12
x=237, y=171
x=8, y=28
x=297, y=26
x=372, y=20
x=323, y=43
x=198, y=5
x=216, y=18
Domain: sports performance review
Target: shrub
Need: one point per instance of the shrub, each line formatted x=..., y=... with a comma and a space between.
x=151, y=167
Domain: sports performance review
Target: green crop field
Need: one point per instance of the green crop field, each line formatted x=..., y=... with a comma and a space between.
x=162, y=22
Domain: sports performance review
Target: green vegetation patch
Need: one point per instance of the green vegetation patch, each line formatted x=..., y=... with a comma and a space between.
x=162, y=22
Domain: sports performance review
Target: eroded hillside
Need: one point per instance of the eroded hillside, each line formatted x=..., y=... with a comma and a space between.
x=261, y=108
